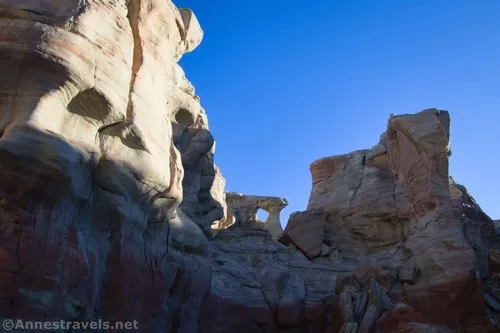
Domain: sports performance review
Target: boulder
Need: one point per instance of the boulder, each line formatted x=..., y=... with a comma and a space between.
x=192, y=32
x=404, y=318
x=306, y=230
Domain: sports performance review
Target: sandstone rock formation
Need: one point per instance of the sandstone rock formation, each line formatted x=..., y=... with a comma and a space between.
x=477, y=227
x=306, y=231
x=108, y=187
x=108, y=194
x=406, y=245
x=242, y=212
x=260, y=285
x=107, y=177
x=392, y=205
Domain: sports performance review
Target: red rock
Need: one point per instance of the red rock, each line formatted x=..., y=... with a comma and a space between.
x=494, y=261
x=288, y=315
x=456, y=304
x=324, y=168
x=108, y=191
x=400, y=315
x=260, y=315
x=315, y=315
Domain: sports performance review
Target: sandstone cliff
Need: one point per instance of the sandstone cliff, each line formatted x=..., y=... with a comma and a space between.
x=111, y=206
x=393, y=210
x=403, y=246
x=107, y=181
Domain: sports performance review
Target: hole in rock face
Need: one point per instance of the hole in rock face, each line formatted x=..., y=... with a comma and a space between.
x=181, y=122
x=262, y=215
x=184, y=118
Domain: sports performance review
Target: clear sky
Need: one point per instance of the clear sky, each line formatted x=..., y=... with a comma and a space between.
x=285, y=83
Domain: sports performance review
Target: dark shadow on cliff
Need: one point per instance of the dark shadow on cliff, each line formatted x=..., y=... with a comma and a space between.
x=72, y=250
x=477, y=227
x=195, y=145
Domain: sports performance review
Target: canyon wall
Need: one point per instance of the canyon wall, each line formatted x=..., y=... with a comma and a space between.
x=393, y=210
x=107, y=182
x=111, y=206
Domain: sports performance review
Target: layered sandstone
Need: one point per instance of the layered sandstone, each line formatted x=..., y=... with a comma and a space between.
x=406, y=246
x=107, y=180
x=109, y=199
x=242, y=212
x=389, y=210
x=108, y=186
x=260, y=285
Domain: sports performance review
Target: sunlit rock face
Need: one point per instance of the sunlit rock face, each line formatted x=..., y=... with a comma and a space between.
x=101, y=138
x=392, y=211
x=242, y=212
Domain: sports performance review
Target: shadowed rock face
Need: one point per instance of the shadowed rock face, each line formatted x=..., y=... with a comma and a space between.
x=306, y=232
x=263, y=286
x=102, y=138
x=477, y=227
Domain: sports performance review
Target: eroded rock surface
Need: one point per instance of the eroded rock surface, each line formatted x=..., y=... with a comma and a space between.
x=306, y=231
x=108, y=187
x=242, y=212
x=102, y=137
x=108, y=194
x=477, y=227
x=263, y=286
x=391, y=211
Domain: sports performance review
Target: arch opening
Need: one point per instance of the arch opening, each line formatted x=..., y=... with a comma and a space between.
x=262, y=215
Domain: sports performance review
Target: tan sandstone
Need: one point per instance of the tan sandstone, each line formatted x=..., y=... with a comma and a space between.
x=394, y=205
x=109, y=190
x=107, y=179
x=242, y=211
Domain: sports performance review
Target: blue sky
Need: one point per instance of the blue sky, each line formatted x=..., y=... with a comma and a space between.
x=285, y=83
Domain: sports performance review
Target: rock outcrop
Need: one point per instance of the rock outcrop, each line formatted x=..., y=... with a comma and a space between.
x=260, y=285
x=306, y=232
x=389, y=210
x=108, y=187
x=107, y=180
x=112, y=209
x=408, y=247
x=242, y=212
x=477, y=227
